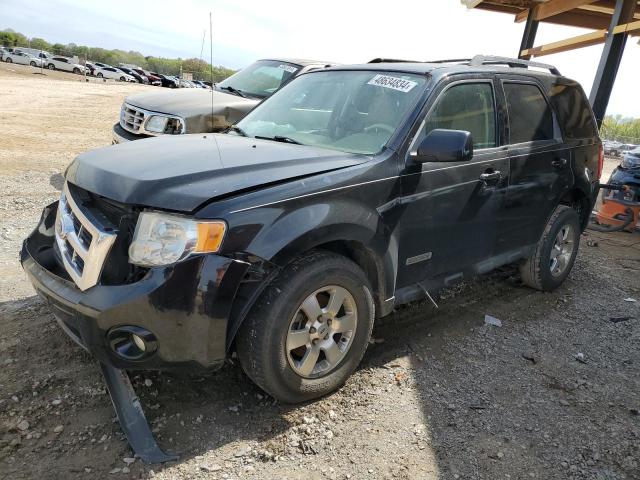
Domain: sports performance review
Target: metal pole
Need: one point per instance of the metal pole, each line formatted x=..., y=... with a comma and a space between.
x=529, y=35
x=610, y=60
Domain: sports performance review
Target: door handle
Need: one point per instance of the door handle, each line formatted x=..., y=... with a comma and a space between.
x=491, y=177
x=559, y=162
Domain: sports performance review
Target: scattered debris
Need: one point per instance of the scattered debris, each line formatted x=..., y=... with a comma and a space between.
x=373, y=341
x=148, y=382
x=634, y=411
x=580, y=357
x=210, y=468
x=23, y=425
x=58, y=429
x=630, y=300
x=592, y=243
x=530, y=357
x=489, y=320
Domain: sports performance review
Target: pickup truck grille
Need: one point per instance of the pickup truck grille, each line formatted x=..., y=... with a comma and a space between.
x=83, y=240
x=132, y=118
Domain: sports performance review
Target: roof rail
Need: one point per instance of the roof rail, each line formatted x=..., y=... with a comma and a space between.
x=479, y=60
x=390, y=60
x=453, y=60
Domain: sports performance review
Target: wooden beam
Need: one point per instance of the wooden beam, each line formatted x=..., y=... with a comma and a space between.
x=580, y=41
x=604, y=10
x=588, y=39
x=551, y=8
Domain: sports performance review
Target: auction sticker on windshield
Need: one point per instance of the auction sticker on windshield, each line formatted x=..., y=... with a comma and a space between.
x=392, y=82
x=287, y=68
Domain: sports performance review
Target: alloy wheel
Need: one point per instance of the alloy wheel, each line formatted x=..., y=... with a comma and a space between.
x=321, y=331
x=561, y=251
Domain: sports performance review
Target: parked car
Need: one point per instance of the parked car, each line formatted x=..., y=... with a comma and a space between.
x=153, y=79
x=115, y=74
x=190, y=111
x=64, y=64
x=4, y=51
x=102, y=65
x=139, y=78
x=350, y=191
x=35, y=52
x=22, y=59
x=167, y=80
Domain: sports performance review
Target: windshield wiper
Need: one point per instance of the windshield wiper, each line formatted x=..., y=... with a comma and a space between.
x=235, y=128
x=235, y=91
x=280, y=138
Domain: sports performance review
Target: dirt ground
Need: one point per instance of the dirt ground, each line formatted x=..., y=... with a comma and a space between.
x=553, y=393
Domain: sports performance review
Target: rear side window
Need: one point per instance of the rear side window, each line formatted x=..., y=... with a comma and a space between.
x=573, y=111
x=530, y=116
x=468, y=107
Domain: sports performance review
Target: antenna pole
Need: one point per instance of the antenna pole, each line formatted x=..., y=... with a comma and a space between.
x=211, y=61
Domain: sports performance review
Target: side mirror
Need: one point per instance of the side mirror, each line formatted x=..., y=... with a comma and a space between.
x=442, y=145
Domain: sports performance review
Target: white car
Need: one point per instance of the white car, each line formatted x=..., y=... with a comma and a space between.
x=22, y=59
x=64, y=64
x=113, y=72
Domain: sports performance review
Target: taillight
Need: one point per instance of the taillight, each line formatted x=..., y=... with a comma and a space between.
x=600, y=161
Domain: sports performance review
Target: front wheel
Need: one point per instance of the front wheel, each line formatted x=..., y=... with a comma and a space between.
x=8, y=60
x=308, y=331
x=76, y=71
x=122, y=79
x=51, y=66
x=99, y=75
x=33, y=64
x=554, y=255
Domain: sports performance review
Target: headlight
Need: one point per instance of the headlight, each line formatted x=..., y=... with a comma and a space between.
x=163, y=239
x=162, y=124
x=156, y=123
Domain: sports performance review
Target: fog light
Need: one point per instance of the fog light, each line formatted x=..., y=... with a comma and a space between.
x=130, y=342
x=139, y=342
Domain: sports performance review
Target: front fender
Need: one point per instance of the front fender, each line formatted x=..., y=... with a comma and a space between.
x=280, y=234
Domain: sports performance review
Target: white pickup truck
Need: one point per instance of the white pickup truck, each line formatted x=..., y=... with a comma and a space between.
x=195, y=110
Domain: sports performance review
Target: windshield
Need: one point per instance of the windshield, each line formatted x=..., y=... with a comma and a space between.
x=350, y=111
x=260, y=79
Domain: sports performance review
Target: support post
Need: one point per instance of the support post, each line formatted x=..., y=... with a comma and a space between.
x=610, y=59
x=529, y=35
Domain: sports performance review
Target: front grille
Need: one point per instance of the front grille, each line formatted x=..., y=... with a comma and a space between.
x=132, y=118
x=84, y=240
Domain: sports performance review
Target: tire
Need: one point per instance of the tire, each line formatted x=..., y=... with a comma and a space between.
x=262, y=346
x=99, y=75
x=554, y=255
x=8, y=60
x=122, y=79
x=33, y=64
x=76, y=71
x=51, y=66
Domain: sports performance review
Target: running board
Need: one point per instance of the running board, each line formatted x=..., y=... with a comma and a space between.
x=131, y=416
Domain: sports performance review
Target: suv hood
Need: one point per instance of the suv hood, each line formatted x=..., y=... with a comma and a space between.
x=194, y=105
x=183, y=172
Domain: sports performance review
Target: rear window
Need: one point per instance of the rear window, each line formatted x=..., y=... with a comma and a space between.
x=573, y=111
x=530, y=117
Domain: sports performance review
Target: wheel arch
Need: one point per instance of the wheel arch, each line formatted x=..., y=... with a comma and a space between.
x=577, y=199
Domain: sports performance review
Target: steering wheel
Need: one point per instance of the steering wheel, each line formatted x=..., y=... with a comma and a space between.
x=379, y=126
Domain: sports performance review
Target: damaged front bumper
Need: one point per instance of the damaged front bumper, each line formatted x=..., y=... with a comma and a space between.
x=183, y=310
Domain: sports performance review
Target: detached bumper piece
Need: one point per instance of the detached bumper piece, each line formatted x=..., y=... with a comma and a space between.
x=131, y=417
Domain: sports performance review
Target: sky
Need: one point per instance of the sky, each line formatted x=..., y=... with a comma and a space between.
x=345, y=31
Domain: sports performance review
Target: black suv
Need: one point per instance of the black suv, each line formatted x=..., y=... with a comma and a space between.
x=350, y=191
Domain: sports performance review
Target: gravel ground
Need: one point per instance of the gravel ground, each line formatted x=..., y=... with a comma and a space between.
x=552, y=393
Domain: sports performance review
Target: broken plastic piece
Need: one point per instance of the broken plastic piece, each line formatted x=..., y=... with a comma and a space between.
x=131, y=416
x=489, y=320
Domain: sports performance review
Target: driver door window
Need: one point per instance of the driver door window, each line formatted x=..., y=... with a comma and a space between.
x=469, y=107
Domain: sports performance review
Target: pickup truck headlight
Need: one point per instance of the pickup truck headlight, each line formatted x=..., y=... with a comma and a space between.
x=163, y=239
x=162, y=124
x=156, y=123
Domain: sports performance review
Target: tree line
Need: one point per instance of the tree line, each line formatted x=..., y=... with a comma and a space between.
x=166, y=66
x=617, y=127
